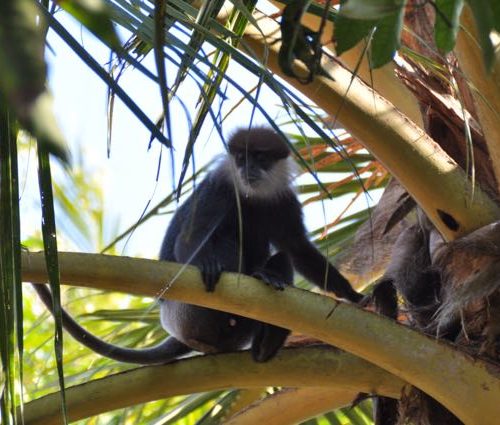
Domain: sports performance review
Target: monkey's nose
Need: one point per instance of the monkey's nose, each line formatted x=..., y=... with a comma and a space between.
x=251, y=176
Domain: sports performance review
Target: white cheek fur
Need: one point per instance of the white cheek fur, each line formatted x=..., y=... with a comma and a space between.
x=276, y=180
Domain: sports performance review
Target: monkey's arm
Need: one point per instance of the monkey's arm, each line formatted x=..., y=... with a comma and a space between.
x=277, y=272
x=167, y=350
x=192, y=237
x=308, y=261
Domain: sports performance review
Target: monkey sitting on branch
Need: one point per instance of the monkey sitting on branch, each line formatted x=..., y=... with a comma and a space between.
x=244, y=217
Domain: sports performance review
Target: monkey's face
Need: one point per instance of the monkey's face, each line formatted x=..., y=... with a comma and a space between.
x=253, y=167
x=259, y=174
x=259, y=164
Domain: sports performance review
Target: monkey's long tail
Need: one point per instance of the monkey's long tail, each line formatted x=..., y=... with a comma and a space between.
x=165, y=351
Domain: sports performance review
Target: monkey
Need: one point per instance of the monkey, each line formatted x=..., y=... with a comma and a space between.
x=243, y=217
x=411, y=275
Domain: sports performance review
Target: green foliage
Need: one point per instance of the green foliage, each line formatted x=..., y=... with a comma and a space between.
x=358, y=18
x=96, y=16
x=371, y=9
x=210, y=67
x=386, y=39
x=361, y=414
x=349, y=32
x=495, y=8
x=487, y=16
x=52, y=262
x=11, y=302
x=447, y=23
x=23, y=73
x=218, y=412
x=237, y=23
x=104, y=75
x=487, y=19
x=379, y=22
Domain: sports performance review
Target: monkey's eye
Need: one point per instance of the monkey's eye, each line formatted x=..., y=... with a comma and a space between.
x=262, y=159
x=239, y=157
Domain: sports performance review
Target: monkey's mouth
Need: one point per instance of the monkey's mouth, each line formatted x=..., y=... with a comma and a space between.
x=251, y=179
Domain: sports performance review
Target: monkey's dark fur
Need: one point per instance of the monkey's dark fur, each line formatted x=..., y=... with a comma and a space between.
x=242, y=212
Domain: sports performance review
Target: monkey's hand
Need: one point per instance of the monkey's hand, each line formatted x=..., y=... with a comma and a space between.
x=270, y=278
x=210, y=269
x=383, y=299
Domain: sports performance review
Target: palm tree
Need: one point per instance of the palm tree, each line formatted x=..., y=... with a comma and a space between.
x=428, y=118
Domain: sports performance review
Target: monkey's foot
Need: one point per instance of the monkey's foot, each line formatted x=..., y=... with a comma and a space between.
x=271, y=279
x=210, y=270
x=268, y=339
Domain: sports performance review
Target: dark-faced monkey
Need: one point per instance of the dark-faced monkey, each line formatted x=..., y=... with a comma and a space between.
x=243, y=217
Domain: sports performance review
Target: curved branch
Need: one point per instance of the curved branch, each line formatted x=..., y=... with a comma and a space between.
x=293, y=406
x=434, y=180
x=472, y=386
x=383, y=79
x=485, y=85
x=313, y=366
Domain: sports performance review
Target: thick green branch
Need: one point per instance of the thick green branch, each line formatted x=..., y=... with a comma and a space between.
x=293, y=406
x=383, y=79
x=435, y=181
x=472, y=387
x=485, y=85
x=314, y=366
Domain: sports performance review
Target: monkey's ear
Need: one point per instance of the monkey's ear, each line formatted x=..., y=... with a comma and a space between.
x=267, y=340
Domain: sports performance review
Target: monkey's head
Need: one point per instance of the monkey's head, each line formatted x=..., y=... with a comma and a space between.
x=260, y=164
